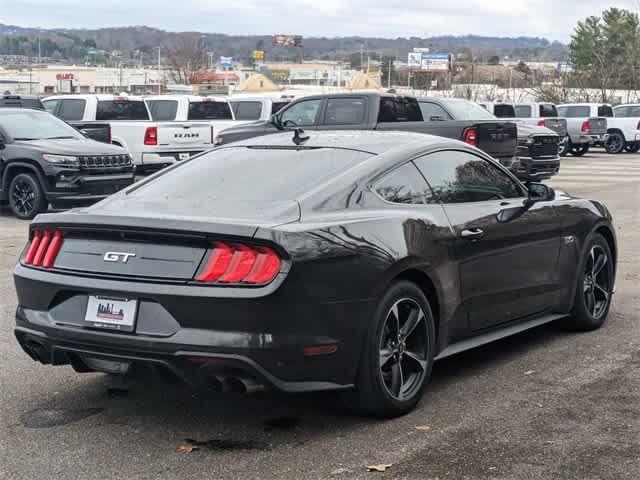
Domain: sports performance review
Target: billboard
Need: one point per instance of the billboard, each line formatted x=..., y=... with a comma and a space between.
x=226, y=62
x=280, y=40
x=414, y=60
x=257, y=55
x=435, y=62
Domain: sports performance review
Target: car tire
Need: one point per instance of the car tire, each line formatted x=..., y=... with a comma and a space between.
x=395, y=387
x=564, y=147
x=26, y=198
x=615, y=144
x=579, y=150
x=594, y=286
x=632, y=148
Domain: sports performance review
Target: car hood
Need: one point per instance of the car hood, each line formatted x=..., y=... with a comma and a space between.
x=67, y=146
x=525, y=130
x=247, y=130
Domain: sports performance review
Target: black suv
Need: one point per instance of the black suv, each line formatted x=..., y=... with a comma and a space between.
x=21, y=101
x=43, y=160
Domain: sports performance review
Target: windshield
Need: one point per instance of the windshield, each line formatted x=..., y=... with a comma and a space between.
x=163, y=110
x=34, y=125
x=465, y=110
x=121, y=109
x=574, y=111
x=248, y=174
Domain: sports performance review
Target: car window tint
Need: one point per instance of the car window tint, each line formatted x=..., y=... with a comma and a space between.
x=575, y=111
x=122, y=110
x=247, y=110
x=51, y=105
x=460, y=177
x=208, y=110
x=431, y=111
x=605, y=111
x=399, y=109
x=627, y=111
x=404, y=185
x=234, y=174
x=277, y=106
x=466, y=110
x=504, y=111
x=548, y=110
x=301, y=114
x=71, y=109
x=344, y=111
x=163, y=110
x=523, y=111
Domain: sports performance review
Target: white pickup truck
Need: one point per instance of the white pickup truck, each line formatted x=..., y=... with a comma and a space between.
x=586, y=125
x=257, y=108
x=152, y=145
x=213, y=111
x=624, y=129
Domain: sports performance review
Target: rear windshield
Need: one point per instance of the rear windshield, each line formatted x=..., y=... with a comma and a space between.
x=548, y=110
x=209, y=111
x=627, y=111
x=466, y=110
x=21, y=103
x=523, y=111
x=399, y=109
x=247, y=110
x=249, y=174
x=605, y=111
x=504, y=111
x=122, y=110
x=575, y=111
x=163, y=110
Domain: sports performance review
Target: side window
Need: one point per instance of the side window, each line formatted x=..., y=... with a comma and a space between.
x=51, y=105
x=504, y=111
x=301, y=114
x=344, y=111
x=605, y=111
x=399, y=109
x=548, y=110
x=247, y=110
x=404, y=185
x=433, y=112
x=523, y=111
x=460, y=177
x=163, y=110
x=71, y=109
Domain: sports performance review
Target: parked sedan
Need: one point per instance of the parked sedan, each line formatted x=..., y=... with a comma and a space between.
x=342, y=261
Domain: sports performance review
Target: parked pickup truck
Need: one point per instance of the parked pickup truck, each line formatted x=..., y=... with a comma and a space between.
x=375, y=111
x=43, y=160
x=537, y=155
x=152, y=145
x=214, y=111
x=586, y=125
x=624, y=129
x=257, y=108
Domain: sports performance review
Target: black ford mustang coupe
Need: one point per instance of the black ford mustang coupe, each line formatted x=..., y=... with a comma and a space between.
x=320, y=261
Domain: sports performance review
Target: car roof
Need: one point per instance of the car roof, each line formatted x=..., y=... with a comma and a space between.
x=190, y=98
x=374, y=142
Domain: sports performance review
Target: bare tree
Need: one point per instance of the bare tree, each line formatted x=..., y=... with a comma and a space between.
x=185, y=57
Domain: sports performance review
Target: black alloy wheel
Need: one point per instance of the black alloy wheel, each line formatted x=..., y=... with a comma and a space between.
x=397, y=355
x=26, y=198
x=615, y=144
x=594, y=288
x=564, y=146
x=579, y=150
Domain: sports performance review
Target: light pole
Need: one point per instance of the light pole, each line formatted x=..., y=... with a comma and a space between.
x=159, y=78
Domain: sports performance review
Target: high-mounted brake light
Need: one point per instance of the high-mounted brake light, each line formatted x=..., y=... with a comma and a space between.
x=44, y=248
x=541, y=123
x=240, y=264
x=151, y=136
x=585, y=127
x=470, y=136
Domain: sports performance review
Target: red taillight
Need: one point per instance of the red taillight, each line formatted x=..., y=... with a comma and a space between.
x=541, y=123
x=585, y=127
x=151, y=136
x=470, y=136
x=44, y=248
x=239, y=263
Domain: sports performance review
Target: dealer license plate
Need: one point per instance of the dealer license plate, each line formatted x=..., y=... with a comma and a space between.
x=183, y=156
x=112, y=313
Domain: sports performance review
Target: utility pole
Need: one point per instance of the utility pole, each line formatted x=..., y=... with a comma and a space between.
x=361, y=57
x=389, y=74
x=39, y=52
x=159, y=77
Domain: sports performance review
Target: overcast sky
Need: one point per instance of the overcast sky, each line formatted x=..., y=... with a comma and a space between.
x=553, y=19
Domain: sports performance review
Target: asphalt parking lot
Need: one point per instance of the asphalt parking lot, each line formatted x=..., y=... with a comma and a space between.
x=543, y=405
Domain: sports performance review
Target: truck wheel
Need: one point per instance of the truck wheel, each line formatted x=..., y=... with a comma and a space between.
x=579, y=150
x=26, y=198
x=397, y=355
x=594, y=286
x=633, y=148
x=615, y=143
x=564, y=147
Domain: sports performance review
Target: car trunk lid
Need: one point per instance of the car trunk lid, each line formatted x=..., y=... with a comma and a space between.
x=498, y=139
x=558, y=125
x=597, y=125
x=185, y=134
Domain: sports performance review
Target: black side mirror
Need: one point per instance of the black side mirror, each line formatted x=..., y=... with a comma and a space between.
x=538, y=192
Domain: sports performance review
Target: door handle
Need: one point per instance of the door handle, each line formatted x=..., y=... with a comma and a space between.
x=472, y=233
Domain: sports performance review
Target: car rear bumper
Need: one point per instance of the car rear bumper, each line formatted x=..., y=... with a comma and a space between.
x=589, y=139
x=292, y=347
